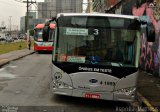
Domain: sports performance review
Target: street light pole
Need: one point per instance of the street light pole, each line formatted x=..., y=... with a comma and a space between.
x=27, y=19
x=10, y=23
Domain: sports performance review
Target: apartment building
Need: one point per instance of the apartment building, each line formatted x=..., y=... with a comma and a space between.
x=50, y=8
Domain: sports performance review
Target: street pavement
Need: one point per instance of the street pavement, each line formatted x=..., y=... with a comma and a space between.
x=148, y=91
x=14, y=55
x=24, y=85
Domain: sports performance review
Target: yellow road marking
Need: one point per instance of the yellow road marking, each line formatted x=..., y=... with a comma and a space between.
x=150, y=107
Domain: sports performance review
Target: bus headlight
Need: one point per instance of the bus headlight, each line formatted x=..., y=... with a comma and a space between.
x=57, y=76
x=63, y=85
x=126, y=91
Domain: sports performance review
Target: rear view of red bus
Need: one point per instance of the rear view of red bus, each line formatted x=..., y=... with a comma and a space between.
x=44, y=37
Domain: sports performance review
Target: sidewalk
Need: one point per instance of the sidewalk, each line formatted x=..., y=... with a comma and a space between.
x=148, y=85
x=149, y=88
x=14, y=55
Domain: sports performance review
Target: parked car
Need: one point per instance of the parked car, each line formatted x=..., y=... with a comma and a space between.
x=2, y=38
x=15, y=38
x=21, y=37
x=9, y=39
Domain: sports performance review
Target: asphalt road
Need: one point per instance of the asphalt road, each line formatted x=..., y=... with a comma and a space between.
x=25, y=83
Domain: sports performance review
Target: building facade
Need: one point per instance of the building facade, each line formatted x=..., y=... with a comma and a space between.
x=99, y=5
x=32, y=16
x=51, y=8
x=48, y=9
x=103, y=5
x=22, y=24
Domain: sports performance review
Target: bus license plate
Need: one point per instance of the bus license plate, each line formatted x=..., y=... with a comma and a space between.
x=92, y=95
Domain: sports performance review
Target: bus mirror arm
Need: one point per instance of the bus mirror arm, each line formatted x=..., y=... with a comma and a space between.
x=53, y=19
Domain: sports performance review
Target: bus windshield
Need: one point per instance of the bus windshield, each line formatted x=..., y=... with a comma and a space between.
x=44, y=34
x=38, y=35
x=97, y=40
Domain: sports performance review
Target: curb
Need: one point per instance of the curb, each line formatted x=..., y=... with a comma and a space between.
x=145, y=103
x=19, y=57
x=4, y=63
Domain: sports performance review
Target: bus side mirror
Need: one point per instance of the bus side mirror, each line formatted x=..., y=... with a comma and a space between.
x=150, y=31
x=53, y=19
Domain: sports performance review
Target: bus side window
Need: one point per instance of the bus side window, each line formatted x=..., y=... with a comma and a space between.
x=119, y=52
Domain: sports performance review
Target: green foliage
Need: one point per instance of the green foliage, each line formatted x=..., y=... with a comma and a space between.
x=7, y=47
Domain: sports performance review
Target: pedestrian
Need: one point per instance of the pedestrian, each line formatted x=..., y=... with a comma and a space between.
x=29, y=44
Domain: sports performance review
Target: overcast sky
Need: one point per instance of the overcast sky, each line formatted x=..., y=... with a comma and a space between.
x=13, y=9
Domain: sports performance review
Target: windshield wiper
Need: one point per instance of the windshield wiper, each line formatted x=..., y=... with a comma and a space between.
x=118, y=64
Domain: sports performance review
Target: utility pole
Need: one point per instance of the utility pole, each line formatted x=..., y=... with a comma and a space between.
x=27, y=15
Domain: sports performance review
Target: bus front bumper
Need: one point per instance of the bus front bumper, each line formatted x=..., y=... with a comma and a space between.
x=94, y=95
x=43, y=48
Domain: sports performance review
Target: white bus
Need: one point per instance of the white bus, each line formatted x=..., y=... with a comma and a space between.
x=96, y=56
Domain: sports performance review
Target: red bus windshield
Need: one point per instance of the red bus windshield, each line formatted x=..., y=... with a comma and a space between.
x=44, y=33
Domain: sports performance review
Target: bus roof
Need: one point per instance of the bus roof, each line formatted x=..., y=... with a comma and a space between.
x=52, y=26
x=98, y=14
x=40, y=26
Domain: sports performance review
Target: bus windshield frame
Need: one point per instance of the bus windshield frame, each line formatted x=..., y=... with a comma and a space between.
x=97, y=40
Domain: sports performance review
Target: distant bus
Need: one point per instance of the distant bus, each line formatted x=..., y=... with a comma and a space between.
x=97, y=55
x=43, y=37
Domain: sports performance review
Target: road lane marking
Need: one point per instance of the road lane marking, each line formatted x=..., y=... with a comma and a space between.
x=150, y=107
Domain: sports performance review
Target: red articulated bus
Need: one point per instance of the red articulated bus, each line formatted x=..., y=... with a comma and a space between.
x=44, y=37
